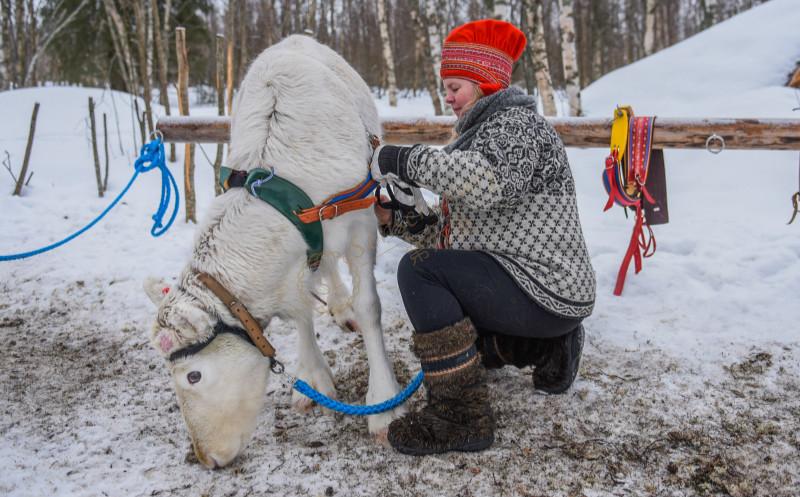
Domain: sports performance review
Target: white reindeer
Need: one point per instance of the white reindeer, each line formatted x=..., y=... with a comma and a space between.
x=304, y=111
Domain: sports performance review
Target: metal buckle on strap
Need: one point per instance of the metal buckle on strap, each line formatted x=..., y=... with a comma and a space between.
x=322, y=209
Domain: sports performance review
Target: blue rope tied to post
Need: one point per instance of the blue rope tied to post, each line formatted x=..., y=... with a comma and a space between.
x=151, y=153
x=334, y=405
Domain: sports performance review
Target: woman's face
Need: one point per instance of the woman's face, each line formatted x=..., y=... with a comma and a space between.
x=461, y=94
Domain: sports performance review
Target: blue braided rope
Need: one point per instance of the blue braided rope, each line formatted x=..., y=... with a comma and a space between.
x=334, y=405
x=152, y=153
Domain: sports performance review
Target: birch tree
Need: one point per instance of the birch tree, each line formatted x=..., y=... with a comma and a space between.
x=119, y=36
x=424, y=49
x=433, y=21
x=502, y=10
x=537, y=51
x=649, y=26
x=568, y=53
x=141, y=36
x=388, y=56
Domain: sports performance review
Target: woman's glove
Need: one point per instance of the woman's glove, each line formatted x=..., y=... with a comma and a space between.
x=389, y=164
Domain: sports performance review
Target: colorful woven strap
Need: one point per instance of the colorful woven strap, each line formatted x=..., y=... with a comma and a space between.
x=624, y=178
x=358, y=197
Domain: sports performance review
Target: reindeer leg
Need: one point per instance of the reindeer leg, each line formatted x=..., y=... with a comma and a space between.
x=340, y=302
x=311, y=365
x=360, y=257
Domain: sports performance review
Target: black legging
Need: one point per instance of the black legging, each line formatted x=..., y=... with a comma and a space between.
x=441, y=287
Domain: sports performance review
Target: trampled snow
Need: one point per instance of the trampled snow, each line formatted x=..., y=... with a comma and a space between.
x=689, y=381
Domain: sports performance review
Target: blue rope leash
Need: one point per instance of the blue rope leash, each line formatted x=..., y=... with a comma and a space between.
x=334, y=405
x=151, y=153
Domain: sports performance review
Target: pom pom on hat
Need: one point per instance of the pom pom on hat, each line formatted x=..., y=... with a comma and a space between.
x=483, y=52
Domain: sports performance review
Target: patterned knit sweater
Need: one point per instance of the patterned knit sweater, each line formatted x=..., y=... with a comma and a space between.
x=508, y=191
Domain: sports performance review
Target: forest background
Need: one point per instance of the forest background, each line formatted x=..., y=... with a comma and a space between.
x=129, y=45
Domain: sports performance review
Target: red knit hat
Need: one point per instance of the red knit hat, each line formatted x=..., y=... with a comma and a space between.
x=483, y=52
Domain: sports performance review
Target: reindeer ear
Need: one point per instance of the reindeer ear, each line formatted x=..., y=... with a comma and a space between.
x=197, y=318
x=156, y=289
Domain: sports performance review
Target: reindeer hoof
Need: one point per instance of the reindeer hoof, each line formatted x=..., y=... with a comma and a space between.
x=381, y=437
x=301, y=403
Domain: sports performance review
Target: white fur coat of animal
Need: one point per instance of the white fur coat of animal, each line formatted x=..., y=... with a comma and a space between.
x=302, y=110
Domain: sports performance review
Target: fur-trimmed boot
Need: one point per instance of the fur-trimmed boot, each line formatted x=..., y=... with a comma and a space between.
x=458, y=416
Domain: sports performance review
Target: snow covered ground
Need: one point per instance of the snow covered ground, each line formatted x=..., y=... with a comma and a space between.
x=689, y=383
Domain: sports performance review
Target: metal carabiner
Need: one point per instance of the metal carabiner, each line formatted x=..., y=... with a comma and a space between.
x=261, y=181
x=276, y=366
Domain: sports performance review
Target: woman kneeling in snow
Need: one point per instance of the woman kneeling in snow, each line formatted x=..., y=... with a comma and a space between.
x=501, y=274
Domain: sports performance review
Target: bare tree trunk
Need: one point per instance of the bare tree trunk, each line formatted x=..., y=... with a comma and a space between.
x=97, y=173
x=229, y=35
x=332, y=23
x=9, y=44
x=161, y=57
x=119, y=34
x=435, y=42
x=166, y=32
x=388, y=56
x=183, y=106
x=218, y=80
x=311, y=18
x=649, y=26
x=427, y=67
x=571, y=74
x=141, y=35
x=538, y=54
x=39, y=49
x=33, y=40
x=502, y=10
x=19, y=25
x=105, y=146
x=24, y=171
x=241, y=27
x=162, y=49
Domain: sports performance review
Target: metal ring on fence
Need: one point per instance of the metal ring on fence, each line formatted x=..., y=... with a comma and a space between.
x=157, y=134
x=718, y=139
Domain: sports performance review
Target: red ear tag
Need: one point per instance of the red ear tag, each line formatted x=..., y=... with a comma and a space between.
x=165, y=290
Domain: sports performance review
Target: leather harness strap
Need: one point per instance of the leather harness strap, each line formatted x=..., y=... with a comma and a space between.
x=241, y=313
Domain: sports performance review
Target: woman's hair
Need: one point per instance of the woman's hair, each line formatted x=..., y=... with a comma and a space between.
x=477, y=96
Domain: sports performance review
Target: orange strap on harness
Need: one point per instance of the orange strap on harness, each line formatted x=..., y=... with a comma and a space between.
x=356, y=198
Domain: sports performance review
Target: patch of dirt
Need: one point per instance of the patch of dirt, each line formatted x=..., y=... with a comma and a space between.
x=89, y=410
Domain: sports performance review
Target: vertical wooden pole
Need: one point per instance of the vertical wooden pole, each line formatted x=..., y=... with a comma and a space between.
x=24, y=171
x=183, y=107
x=97, y=173
x=229, y=51
x=220, y=74
x=105, y=145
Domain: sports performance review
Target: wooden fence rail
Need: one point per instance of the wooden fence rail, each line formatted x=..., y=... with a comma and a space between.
x=580, y=132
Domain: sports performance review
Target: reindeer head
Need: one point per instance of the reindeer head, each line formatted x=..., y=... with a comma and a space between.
x=220, y=378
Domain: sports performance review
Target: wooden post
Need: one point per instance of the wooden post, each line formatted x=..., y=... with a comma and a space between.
x=183, y=107
x=105, y=145
x=26, y=160
x=580, y=132
x=97, y=173
x=220, y=66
